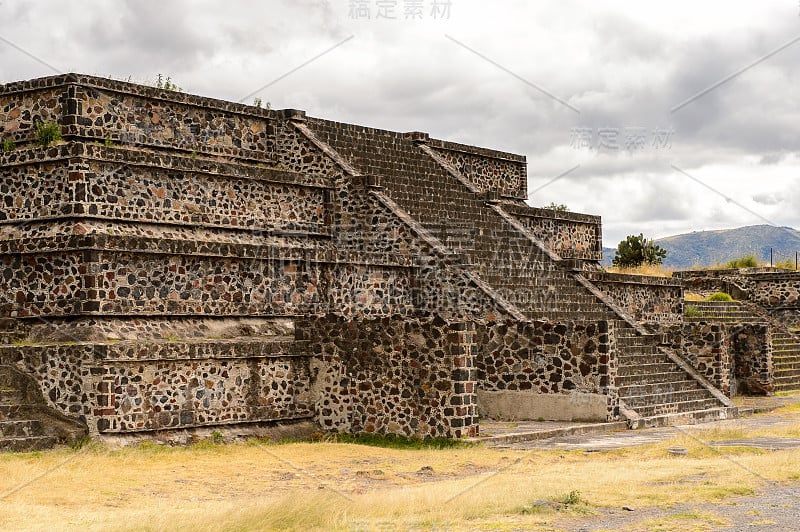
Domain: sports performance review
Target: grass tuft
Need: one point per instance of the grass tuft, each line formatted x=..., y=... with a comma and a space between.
x=719, y=296
x=649, y=270
x=392, y=441
x=48, y=133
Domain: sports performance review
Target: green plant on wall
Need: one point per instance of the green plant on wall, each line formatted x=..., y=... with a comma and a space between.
x=166, y=83
x=719, y=296
x=558, y=207
x=47, y=133
x=8, y=144
x=258, y=102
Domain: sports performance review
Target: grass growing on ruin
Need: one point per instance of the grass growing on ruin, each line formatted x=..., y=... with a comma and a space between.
x=352, y=486
x=650, y=270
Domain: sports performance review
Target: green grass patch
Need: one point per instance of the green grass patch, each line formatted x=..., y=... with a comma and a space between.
x=8, y=144
x=719, y=296
x=397, y=442
x=691, y=311
x=47, y=133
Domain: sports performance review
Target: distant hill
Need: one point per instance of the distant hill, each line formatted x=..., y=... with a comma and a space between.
x=708, y=248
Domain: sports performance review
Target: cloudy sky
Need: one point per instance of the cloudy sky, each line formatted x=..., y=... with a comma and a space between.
x=667, y=117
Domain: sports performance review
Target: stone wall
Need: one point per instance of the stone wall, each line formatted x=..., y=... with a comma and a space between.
x=776, y=290
x=139, y=386
x=573, y=360
x=751, y=358
x=96, y=109
x=705, y=346
x=569, y=235
x=413, y=376
x=735, y=357
x=121, y=184
x=108, y=283
x=646, y=299
x=487, y=170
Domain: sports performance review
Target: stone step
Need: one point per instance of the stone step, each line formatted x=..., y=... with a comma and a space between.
x=630, y=341
x=640, y=359
x=16, y=410
x=20, y=428
x=785, y=378
x=566, y=316
x=780, y=372
x=633, y=390
x=637, y=350
x=789, y=347
x=684, y=407
x=778, y=345
x=649, y=399
x=785, y=362
x=655, y=369
x=27, y=444
x=785, y=353
x=786, y=365
x=788, y=386
x=785, y=348
x=716, y=305
x=537, y=299
x=9, y=396
x=9, y=356
x=685, y=418
x=725, y=319
x=721, y=312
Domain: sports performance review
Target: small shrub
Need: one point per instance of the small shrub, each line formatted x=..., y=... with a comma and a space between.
x=167, y=84
x=719, y=296
x=216, y=437
x=8, y=144
x=748, y=261
x=558, y=207
x=108, y=143
x=82, y=442
x=47, y=133
x=691, y=311
x=393, y=441
x=572, y=498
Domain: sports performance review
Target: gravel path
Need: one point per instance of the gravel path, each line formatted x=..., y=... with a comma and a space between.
x=632, y=438
x=774, y=509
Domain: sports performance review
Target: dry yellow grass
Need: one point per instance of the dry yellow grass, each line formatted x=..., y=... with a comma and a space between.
x=650, y=270
x=691, y=296
x=327, y=486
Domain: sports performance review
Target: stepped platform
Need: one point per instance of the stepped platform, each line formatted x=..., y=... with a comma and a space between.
x=26, y=423
x=723, y=312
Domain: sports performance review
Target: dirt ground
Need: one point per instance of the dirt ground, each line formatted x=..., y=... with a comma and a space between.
x=741, y=474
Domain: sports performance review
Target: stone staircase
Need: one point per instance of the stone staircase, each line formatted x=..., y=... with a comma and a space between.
x=26, y=424
x=785, y=343
x=657, y=388
x=723, y=312
x=523, y=273
x=785, y=361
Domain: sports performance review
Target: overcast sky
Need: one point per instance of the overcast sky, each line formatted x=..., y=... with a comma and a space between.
x=670, y=114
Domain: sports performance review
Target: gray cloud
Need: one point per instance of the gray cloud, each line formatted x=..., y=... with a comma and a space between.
x=622, y=66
